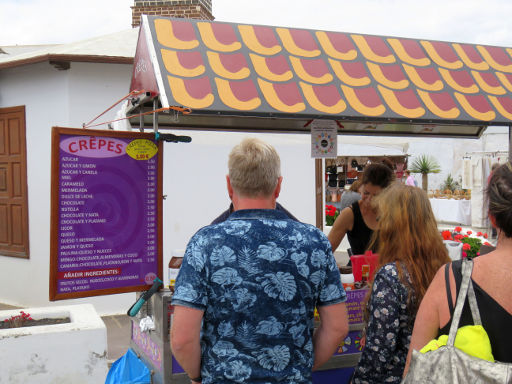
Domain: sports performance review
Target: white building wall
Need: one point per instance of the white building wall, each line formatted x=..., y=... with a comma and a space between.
x=449, y=152
x=95, y=87
x=496, y=139
x=53, y=98
x=195, y=181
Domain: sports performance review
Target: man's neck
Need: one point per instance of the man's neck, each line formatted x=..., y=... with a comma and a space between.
x=253, y=203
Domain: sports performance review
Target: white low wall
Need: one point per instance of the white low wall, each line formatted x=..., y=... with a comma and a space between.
x=75, y=352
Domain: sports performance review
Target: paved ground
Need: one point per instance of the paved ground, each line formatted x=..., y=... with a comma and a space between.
x=118, y=335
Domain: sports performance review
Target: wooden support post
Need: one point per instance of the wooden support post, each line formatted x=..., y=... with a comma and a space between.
x=510, y=143
x=319, y=195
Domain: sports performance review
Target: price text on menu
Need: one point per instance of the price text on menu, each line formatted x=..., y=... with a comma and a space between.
x=106, y=212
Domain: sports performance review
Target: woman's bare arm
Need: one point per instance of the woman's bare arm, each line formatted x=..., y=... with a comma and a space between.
x=343, y=223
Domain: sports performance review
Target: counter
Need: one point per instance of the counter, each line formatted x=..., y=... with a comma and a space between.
x=452, y=210
x=153, y=347
x=339, y=368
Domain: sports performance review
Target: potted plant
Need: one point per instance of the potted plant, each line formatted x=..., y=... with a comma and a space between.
x=425, y=164
x=450, y=184
x=471, y=242
x=331, y=213
x=57, y=344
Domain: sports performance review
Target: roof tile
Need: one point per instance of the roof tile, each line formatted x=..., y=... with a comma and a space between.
x=263, y=69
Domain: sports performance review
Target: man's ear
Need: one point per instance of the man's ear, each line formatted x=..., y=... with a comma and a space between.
x=230, y=188
x=277, y=191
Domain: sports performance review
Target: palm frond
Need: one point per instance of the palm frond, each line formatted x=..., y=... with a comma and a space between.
x=425, y=164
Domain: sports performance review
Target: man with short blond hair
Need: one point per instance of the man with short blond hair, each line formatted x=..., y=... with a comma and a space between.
x=248, y=287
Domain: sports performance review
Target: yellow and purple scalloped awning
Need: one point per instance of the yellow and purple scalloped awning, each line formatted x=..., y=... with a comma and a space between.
x=236, y=75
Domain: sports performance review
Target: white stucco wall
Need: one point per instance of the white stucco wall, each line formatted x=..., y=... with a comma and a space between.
x=449, y=153
x=195, y=181
x=53, y=98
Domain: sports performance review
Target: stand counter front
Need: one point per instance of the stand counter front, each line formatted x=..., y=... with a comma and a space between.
x=339, y=368
x=153, y=347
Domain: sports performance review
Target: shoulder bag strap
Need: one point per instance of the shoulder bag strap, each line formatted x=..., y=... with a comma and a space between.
x=473, y=304
x=448, y=289
x=467, y=268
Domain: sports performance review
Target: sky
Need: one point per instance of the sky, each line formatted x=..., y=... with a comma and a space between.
x=32, y=22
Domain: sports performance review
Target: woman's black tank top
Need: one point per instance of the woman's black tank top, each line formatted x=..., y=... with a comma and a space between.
x=496, y=320
x=360, y=235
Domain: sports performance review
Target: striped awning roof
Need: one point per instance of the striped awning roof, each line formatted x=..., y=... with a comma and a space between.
x=253, y=70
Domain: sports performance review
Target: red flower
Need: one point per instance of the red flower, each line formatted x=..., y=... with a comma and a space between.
x=458, y=237
x=469, y=232
x=479, y=234
x=447, y=235
x=487, y=243
x=330, y=210
x=485, y=236
x=466, y=247
x=464, y=255
x=458, y=229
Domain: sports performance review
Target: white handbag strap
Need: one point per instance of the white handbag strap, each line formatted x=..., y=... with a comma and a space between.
x=472, y=304
x=466, y=288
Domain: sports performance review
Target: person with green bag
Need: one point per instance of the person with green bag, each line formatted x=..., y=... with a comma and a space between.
x=491, y=308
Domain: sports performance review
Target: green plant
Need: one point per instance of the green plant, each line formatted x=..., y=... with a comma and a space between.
x=450, y=183
x=425, y=164
x=471, y=246
x=471, y=243
x=331, y=213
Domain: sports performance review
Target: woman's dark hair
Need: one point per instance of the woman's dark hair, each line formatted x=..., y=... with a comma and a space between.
x=499, y=194
x=378, y=174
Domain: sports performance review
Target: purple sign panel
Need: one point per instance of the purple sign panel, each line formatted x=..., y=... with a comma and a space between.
x=355, y=305
x=351, y=344
x=107, y=213
x=149, y=347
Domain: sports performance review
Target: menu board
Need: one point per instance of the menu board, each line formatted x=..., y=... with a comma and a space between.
x=106, y=221
x=356, y=300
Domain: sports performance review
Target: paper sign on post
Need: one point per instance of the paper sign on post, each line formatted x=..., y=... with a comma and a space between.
x=324, y=141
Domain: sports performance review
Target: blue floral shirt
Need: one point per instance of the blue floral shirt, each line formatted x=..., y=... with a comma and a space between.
x=389, y=330
x=258, y=276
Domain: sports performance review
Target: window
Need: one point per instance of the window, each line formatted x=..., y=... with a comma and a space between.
x=13, y=184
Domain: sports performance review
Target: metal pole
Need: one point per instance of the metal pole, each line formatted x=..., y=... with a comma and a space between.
x=510, y=143
x=141, y=120
x=155, y=116
x=319, y=194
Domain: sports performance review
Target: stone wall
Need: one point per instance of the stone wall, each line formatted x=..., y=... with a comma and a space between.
x=189, y=9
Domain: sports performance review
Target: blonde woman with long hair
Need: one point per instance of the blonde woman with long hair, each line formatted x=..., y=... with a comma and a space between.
x=410, y=251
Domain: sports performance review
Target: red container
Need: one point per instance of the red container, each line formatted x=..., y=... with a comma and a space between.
x=358, y=261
